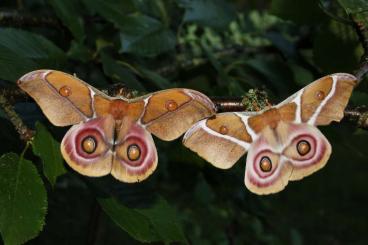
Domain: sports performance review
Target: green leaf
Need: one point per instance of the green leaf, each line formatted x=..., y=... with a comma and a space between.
x=145, y=36
x=357, y=8
x=48, y=149
x=213, y=13
x=116, y=71
x=140, y=34
x=354, y=6
x=22, y=52
x=148, y=44
x=67, y=11
x=111, y=9
x=336, y=48
x=79, y=52
x=158, y=80
x=157, y=223
x=23, y=201
x=301, y=11
x=278, y=75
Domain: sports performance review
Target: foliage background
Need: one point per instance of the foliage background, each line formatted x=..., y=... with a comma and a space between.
x=219, y=47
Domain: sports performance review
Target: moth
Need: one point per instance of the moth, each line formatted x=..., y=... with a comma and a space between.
x=112, y=135
x=282, y=142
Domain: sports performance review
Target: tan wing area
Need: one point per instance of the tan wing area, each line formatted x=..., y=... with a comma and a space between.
x=169, y=113
x=87, y=147
x=291, y=151
x=63, y=98
x=271, y=117
x=221, y=140
x=135, y=156
x=324, y=100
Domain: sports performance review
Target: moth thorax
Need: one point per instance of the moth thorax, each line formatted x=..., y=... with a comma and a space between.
x=89, y=144
x=303, y=147
x=118, y=108
x=133, y=152
x=65, y=91
x=265, y=164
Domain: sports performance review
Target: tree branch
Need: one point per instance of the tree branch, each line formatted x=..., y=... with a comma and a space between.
x=24, y=132
x=362, y=32
x=20, y=19
x=358, y=115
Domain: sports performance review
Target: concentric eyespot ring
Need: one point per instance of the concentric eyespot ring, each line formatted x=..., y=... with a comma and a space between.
x=89, y=144
x=265, y=164
x=133, y=152
x=303, y=147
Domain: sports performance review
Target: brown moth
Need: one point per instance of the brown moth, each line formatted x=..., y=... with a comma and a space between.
x=282, y=141
x=112, y=135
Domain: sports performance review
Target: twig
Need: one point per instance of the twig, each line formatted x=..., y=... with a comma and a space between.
x=357, y=116
x=14, y=94
x=25, y=133
x=20, y=19
x=362, y=32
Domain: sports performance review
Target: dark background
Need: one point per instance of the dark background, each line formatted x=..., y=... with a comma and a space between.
x=221, y=48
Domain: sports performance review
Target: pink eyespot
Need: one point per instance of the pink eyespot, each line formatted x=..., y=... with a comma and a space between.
x=305, y=146
x=86, y=142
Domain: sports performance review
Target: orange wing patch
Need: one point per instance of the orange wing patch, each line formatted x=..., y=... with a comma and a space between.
x=313, y=96
x=229, y=124
x=169, y=113
x=64, y=99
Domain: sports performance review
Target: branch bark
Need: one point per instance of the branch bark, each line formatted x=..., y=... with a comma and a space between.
x=358, y=115
x=20, y=19
x=362, y=32
x=24, y=132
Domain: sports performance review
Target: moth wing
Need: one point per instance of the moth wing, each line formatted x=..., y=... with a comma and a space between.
x=135, y=156
x=221, y=140
x=87, y=147
x=63, y=98
x=170, y=113
x=324, y=100
x=275, y=157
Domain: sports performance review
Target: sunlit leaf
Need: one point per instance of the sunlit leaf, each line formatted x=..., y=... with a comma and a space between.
x=23, y=202
x=157, y=223
x=48, y=149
